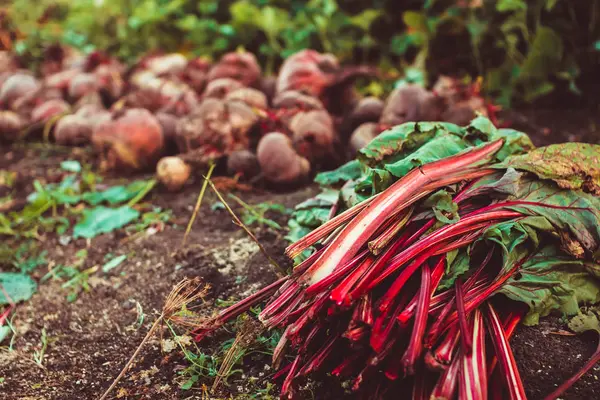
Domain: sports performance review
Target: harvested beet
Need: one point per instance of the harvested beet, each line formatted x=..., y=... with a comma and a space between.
x=217, y=126
x=195, y=73
x=167, y=64
x=268, y=85
x=294, y=99
x=73, y=130
x=173, y=173
x=11, y=124
x=17, y=86
x=48, y=110
x=279, y=162
x=133, y=140
x=77, y=129
x=243, y=163
x=307, y=71
x=411, y=103
x=240, y=66
x=463, y=112
x=110, y=80
x=314, y=136
x=363, y=135
x=83, y=84
x=168, y=123
x=7, y=62
x=219, y=88
x=368, y=109
x=252, y=97
x=61, y=80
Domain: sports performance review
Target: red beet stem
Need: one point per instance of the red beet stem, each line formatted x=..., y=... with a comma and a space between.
x=362, y=227
x=473, y=376
x=465, y=338
x=504, y=355
x=446, y=384
x=415, y=345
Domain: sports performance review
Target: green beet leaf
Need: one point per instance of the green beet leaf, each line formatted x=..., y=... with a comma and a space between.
x=18, y=287
x=101, y=220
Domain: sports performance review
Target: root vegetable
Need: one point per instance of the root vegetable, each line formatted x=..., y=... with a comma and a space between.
x=110, y=80
x=11, y=124
x=61, y=80
x=314, y=137
x=244, y=163
x=279, y=162
x=168, y=122
x=17, y=86
x=173, y=173
x=133, y=140
x=239, y=66
x=363, y=135
x=411, y=103
x=196, y=74
x=83, y=84
x=171, y=64
x=217, y=126
x=77, y=129
x=368, y=109
x=49, y=109
x=219, y=88
x=252, y=97
x=73, y=130
x=294, y=99
x=306, y=71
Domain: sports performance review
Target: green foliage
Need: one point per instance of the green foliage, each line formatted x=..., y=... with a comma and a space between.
x=17, y=287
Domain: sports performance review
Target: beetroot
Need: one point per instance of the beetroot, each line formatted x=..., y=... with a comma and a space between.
x=110, y=80
x=368, y=109
x=17, y=86
x=294, y=99
x=73, y=130
x=132, y=140
x=363, y=135
x=195, y=74
x=168, y=123
x=411, y=103
x=173, y=173
x=48, y=110
x=77, y=129
x=11, y=125
x=252, y=97
x=307, y=71
x=83, y=84
x=239, y=66
x=61, y=80
x=217, y=126
x=173, y=63
x=279, y=162
x=314, y=136
x=243, y=163
x=219, y=88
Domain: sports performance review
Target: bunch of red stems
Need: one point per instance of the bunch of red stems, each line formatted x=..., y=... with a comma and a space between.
x=365, y=306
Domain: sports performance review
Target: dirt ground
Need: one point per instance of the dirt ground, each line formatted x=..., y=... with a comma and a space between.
x=90, y=339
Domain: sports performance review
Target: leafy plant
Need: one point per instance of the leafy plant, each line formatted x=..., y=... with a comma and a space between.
x=423, y=230
x=256, y=214
x=38, y=355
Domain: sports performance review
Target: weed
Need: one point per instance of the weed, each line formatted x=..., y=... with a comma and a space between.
x=257, y=214
x=38, y=355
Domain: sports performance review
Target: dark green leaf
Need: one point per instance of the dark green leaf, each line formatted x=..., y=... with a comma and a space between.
x=103, y=220
x=18, y=287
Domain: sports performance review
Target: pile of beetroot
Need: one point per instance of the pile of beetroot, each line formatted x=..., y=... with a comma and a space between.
x=278, y=129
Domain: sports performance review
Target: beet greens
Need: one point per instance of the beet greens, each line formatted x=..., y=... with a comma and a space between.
x=426, y=252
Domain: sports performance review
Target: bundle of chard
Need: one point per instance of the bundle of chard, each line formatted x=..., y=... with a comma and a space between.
x=418, y=260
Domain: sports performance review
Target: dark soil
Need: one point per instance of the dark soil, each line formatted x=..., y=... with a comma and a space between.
x=90, y=339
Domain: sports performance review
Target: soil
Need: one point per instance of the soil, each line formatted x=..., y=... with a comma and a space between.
x=91, y=339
